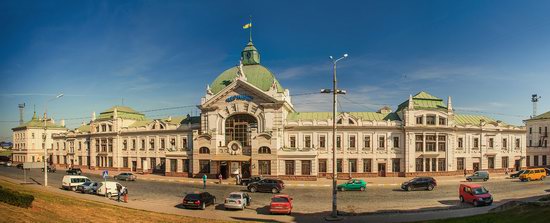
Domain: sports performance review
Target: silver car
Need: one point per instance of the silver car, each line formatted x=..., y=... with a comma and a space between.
x=125, y=176
x=237, y=200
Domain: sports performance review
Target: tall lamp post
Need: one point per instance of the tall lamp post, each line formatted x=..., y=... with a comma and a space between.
x=335, y=91
x=44, y=137
x=481, y=123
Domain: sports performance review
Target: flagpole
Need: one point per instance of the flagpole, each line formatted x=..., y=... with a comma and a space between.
x=250, y=39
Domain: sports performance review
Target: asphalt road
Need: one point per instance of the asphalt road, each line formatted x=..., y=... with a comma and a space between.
x=313, y=199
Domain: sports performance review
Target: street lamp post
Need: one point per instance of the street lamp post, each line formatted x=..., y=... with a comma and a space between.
x=335, y=91
x=45, y=136
x=481, y=122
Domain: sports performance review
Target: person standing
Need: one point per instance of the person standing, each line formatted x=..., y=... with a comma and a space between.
x=220, y=178
x=465, y=172
x=204, y=177
x=118, y=191
x=238, y=178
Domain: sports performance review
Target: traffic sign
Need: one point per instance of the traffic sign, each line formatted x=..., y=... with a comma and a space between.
x=105, y=174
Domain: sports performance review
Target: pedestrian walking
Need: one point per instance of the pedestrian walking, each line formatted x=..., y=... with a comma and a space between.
x=238, y=179
x=506, y=171
x=220, y=178
x=118, y=192
x=465, y=172
x=204, y=177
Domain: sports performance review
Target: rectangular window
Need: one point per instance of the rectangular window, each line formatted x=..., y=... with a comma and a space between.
x=460, y=143
x=322, y=166
x=460, y=163
x=504, y=143
x=173, y=165
x=322, y=141
x=184, y=143
x=79, y=146
x=434, y=164
x=339, y=165
x=530, y=130
x=442, y=121
x=338, y=142
x=381, y=143
x=441, y=164
x=293, y=142
x=441, y=143
x=367, y=165
x=264, y=167
x=491, y=162
x=396, y=165
x=419, y=120
x=428, y=166
x=162, y=144
x=124, y=144
x=419, y=143
x=491, y=142
x=307, y=140
x=528, y=160
x=504, y=162
x=430, y=143
x=306, y=167
x=352, y=141
x=395, y=142
x=367, y=142
x=186, y=166
x=133, y=144
x=204, y=166
x=530, y=143
x=544, y=161
x=430, y=120
x=142, y=144
x=419, y=164
x=352, y=165
x=151, y=144
x=517, y=143
x=289, y=167
x=536, y=160
x=125, y=162
x=110, y=160
x=476, y=143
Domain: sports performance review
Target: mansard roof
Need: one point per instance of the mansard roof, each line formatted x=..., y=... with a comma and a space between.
x=424, y=101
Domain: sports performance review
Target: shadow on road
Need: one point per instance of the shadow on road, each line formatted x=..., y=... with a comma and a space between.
x=263, y=210
x=35, y=181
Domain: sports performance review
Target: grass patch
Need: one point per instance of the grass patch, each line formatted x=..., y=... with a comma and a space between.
x=15, y=198
x=532, y=213
x=53, y=207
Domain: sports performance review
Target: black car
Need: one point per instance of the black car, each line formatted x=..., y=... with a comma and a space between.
x=74, y=171
x=51, y=168
x=267, y=185
x=547, y=171
x=247, y=181
x=516, y=174
x=426, y=183
x=19, y=166
x=198, y=200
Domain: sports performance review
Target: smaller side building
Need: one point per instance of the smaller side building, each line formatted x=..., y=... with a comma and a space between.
x=538, y=149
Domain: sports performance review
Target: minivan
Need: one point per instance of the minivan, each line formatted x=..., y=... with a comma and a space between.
x=475, y=194
x=109, y=188
x=533, y=174
x=478, y=175
x=71, y=182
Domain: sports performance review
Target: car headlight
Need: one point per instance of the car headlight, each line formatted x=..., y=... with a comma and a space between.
x=480, y=199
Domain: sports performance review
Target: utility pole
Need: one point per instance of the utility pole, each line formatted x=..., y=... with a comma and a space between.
x=21, y=109
x=335, y=91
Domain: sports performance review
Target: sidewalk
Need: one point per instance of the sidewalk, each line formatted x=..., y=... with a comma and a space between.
x=321, y=182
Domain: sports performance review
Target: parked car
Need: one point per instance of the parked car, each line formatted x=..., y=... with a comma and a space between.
x=74, y=171
x=547, y=171
x=478, y=175
x=89, y=187
x=475, y=194
x=353, y=184
x=198, y=200
x=19, y=166
x=516, y=174
x=247, y=181
x=533, y=174
x=5, y=161
x=71, y=182
x=126, y=177
x=237, y=200
x=281, y=204
x=426, y=183
x=109, y=188
x=267, y=185
x=51, y=168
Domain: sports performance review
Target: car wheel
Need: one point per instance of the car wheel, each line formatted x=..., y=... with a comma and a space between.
x=109, y=195
x=469, y=179
x=73, y=188
x=542, y=178
x=490, y=204
x=274, y=190
x=461, y=199
x=485, y=179
x=342, y=189
x=203, y=206
x=475, y=204
x=362, y=188
x=289, y=212
x=214, y=201
x=431, y=187
x=252, y=189
x=408, y=188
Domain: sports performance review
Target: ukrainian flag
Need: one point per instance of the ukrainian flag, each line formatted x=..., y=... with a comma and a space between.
x=248, y=25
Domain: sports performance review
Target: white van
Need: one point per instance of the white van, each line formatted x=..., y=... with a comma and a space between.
x=111, y=188
x=70, y=182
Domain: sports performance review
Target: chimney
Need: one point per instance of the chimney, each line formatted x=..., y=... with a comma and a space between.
x=411, y=102
x=449, y=104
x=62, y=123
x=93, y=116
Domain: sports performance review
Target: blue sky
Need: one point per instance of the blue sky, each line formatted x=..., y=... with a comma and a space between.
x=490, y=56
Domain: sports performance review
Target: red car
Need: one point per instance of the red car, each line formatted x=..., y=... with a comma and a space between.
x=281, y=204
x=475, y=193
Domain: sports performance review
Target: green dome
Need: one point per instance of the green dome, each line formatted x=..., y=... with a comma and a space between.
x=256, y=75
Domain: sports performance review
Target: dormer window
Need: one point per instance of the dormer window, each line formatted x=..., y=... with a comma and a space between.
x=339, y=121
x=430, y=120
x=442, y=121
x=419, y=120
x=351, y=122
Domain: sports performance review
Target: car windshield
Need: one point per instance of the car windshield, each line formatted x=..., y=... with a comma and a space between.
x=414, y=179
x=279, y=199
x=235, y=196
x=479, y=190
x=351, y=181
x=87, y=183
x=192, y=197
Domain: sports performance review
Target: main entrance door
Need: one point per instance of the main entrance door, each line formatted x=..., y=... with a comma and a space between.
x=517, y=165
x=224, y=170
x=382, y=169
x=134, y=165
x=476, y=166
x=245, y=169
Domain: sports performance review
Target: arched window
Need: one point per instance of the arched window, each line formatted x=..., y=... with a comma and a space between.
x=204, y=150
x=238, y=128
x=264, y=150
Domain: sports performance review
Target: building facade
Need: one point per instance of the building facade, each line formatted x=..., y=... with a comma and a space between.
x=248, y=125
x=538, y=149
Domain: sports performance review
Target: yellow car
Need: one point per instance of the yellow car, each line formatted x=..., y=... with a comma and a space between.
x=533, y=174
